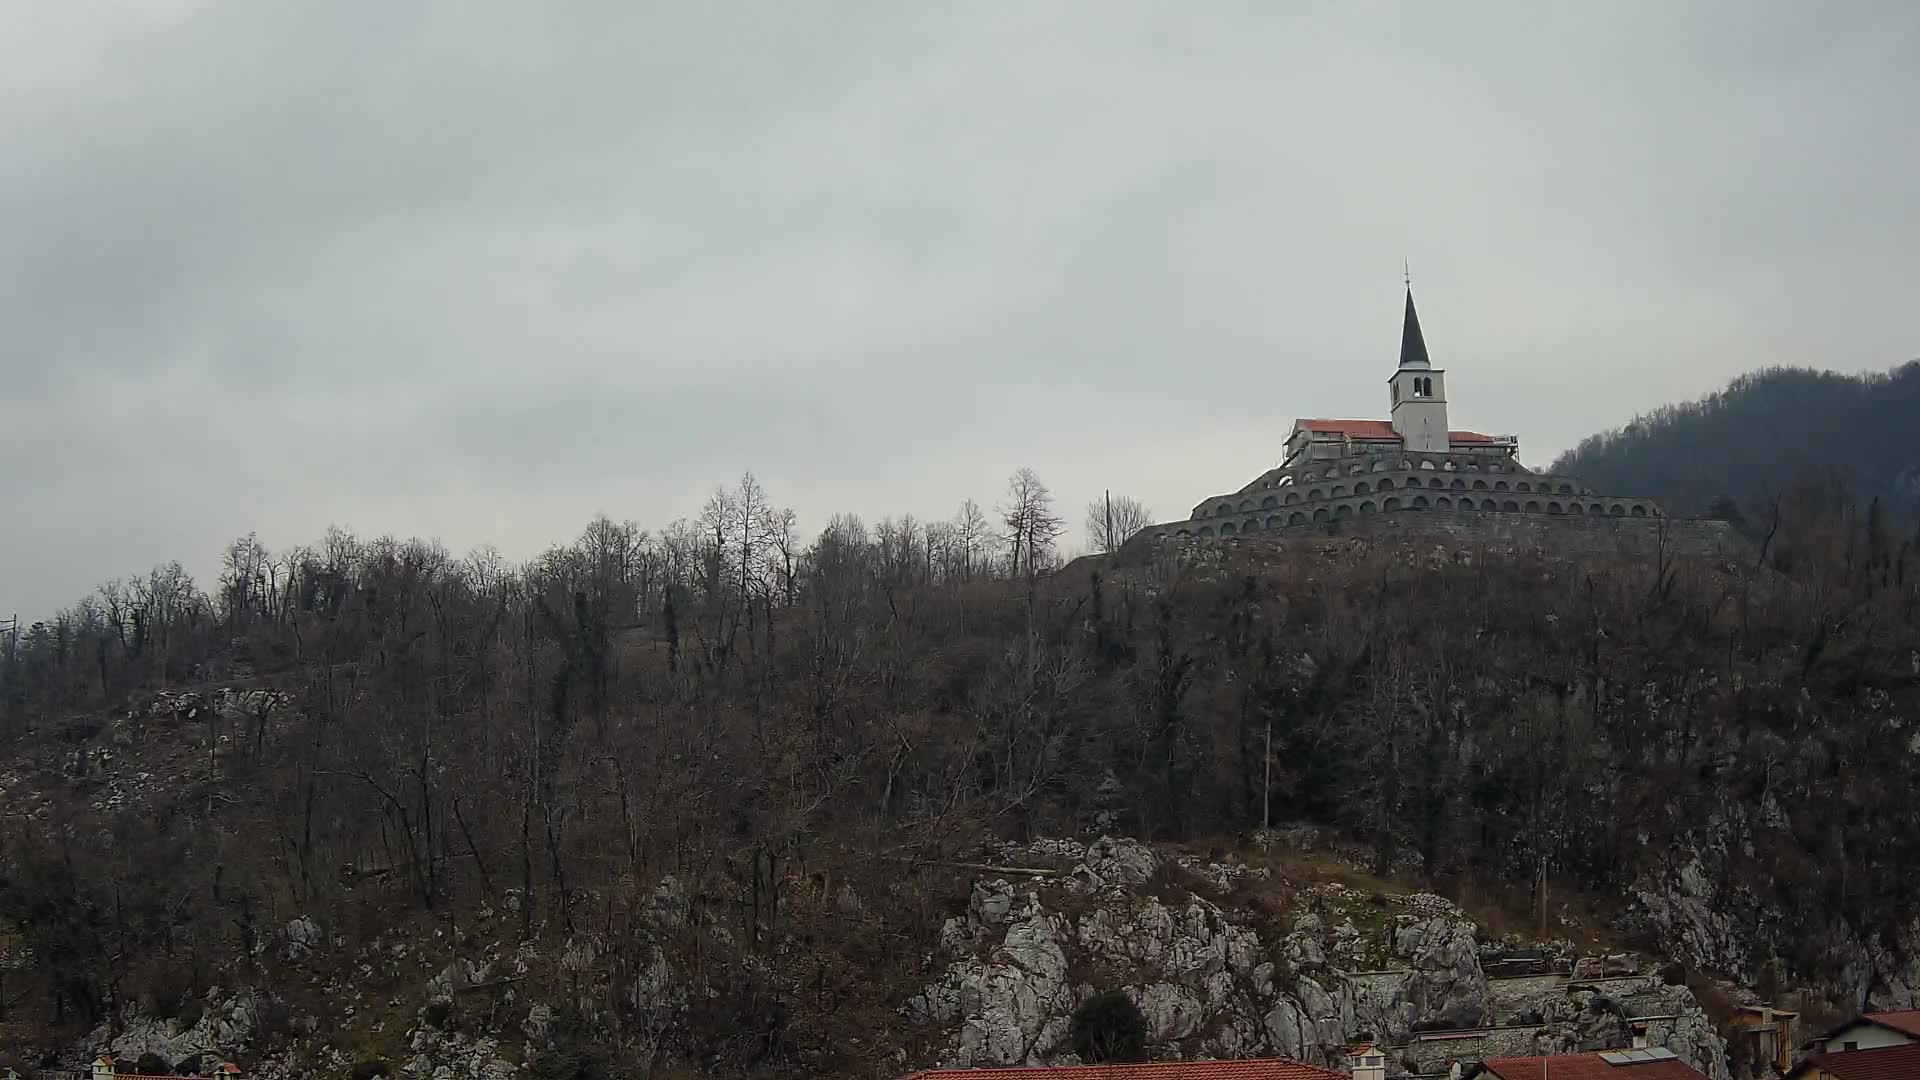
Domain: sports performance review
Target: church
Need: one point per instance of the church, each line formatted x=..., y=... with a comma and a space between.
x=1332, y=472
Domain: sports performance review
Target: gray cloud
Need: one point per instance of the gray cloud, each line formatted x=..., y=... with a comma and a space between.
x=481, y=270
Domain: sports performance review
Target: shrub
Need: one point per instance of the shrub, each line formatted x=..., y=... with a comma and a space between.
x=1109, y=1027
x=437, y=1013
x=368, y=1068
x=151, y=1064
x=565, y=1065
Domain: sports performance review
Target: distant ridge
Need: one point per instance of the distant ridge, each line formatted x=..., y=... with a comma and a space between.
x=1766, y=428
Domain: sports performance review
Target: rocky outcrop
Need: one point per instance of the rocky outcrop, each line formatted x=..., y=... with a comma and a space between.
x=1212, y=983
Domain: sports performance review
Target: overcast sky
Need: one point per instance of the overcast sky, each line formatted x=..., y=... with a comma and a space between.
x=480, y=271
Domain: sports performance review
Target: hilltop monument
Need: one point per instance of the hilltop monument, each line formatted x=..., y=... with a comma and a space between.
x=1335, y=474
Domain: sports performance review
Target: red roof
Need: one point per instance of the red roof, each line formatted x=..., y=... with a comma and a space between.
x=1885, y=1063
x=1589, y=1067
x=1907, y=1020
x=1352, y=429
x=1256, y=1069
x=1377, y=430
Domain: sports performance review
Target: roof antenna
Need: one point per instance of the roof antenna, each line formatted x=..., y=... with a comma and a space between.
x=1408, y=267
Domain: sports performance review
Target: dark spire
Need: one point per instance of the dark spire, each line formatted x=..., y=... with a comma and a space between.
x=1413, y=346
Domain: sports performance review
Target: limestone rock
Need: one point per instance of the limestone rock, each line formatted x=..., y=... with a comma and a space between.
x=1445, y=986
x=1114, y=864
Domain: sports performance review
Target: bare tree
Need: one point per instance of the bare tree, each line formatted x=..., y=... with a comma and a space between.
x=1114, y=518
x=1031, y=523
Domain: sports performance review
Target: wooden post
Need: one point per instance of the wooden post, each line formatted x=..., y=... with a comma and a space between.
x=1266, y=780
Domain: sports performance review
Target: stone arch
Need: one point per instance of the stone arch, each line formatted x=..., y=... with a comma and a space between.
x=1479, y=485
x=1576, y=508
x=1206, y=530
x=1443, y=503
x=1555, y=508
x=1427, y=464
x=1296, y=518
x=1466, y=504
x=1223, y=510
x=1639, y=511
x=1500, y=485
x=1269, y=503
x=1361, y=488
x=1226, y=528
x=1533, y=506
x=1386, y=483
x=1566, y=489
x=1292, y=497
x=1391, y=504
x=1284, y=481
x=1274, y=522
x=1459, y=484
x=1419, y=502
x=1338, y=491
x=1246, y=505
x=1343, y=510
x=1182, y=532
x=1380, y=466
x=1523, y=486
x=1320, y=514
x=1356, y=469
x=1510, y=506
x=1617, y=510
x=1367, y=507
x=1316, y=494
x=1596, y=508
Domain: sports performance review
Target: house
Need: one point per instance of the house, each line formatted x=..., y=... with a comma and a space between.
x=1871, y=1031
x=1250, y=1069
x=1650, y=1064
x=104, y=1068
x=1901, y=1062
x=1768, y=1032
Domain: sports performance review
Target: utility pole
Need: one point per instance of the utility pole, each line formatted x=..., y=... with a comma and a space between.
x=1266, y=779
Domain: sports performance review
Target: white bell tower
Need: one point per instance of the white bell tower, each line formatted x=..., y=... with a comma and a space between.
x=1419, y=392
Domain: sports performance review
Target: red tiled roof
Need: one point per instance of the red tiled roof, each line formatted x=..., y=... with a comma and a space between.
x=1352, y=429
x=1907, y=1020
x=1256, y=1069
x=1885, y=1063
x=1378, y=429
x=1589, y=1067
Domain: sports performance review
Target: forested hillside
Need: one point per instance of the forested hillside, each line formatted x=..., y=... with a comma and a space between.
x=1758, y=436
x=427, y=753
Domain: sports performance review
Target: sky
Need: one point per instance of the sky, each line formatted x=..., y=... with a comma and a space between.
x=480, y=271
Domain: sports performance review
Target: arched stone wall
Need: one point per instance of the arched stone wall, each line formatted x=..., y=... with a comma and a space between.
x=1392, y=471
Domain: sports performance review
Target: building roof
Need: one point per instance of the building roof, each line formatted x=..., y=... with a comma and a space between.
x=1904, y=1020
x=1884, y=1063
x=1608, y=1065
x=1253, y=1069
x=1378, y=429
x=1413, y=344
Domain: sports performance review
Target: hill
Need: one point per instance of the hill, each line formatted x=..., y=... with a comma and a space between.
x=716, y=801
x=1762, y=433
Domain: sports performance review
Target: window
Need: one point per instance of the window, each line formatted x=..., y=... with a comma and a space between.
x=1850, y=1046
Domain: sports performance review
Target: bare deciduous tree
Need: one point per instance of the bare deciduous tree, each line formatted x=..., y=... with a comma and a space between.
x=1032, y=526
x=1111, y=520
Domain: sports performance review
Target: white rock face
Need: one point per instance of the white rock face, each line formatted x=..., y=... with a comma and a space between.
x=1209, y=985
